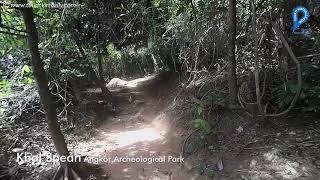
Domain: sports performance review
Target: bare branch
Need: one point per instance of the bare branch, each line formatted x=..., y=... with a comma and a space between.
x=256, y=58
x=295, y=59
x=15, y=34
x=13, y=29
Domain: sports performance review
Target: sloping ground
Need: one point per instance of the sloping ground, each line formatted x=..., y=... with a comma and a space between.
x=283, y=149
x=140, y=131
x=280, y=150
x=142, y=128
x=240, y=149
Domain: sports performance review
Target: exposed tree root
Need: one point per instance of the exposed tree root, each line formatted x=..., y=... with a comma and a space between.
x=185, y=142
x=299, y=73
x=66, y=172
x=299, y=79
x=78, y=171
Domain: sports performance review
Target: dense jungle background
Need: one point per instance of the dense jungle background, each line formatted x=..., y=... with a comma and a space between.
x=225, y=85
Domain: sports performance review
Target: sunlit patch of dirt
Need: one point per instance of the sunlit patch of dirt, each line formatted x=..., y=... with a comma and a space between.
x=108, y=141
x=271, y=165
x=123, y=139
x=289, y=154
x=137, y=131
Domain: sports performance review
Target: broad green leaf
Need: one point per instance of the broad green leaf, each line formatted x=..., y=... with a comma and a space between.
x=199, y=110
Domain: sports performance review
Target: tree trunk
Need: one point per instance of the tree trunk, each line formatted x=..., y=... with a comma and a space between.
x=156, y=68
x=99, y=45
x=100, y=66
x=232, y=57
x=105, y=92
x=269, y=44
x=42, y=82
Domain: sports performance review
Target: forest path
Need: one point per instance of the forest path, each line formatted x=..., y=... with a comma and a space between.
x=140, y=131
x=142, y=134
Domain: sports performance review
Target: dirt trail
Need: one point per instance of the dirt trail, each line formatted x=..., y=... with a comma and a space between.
x=139, y=130
x=143, y=134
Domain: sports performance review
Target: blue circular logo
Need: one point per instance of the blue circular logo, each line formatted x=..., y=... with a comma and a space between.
x=295, y=15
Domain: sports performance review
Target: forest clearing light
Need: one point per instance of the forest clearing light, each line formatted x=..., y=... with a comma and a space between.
x=124, y=137
x=131, y=137
x=273, y=165
x=136, y=82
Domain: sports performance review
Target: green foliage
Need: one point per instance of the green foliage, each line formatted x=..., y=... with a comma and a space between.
x=130, y=61
x=175, y=32
x=199, y=110
x=71, y=73
x=203, y=125
x=25, y=70
x=26, y=78
x=4, y=88
x=14, y=75
x=40, y=7
x=311, y=89
x=310, y=96
x=285, y=93
x=200, y=122
x=26, y=75
x=10, y=19
x=17, y=87
x=206, y=169
x=196, y=142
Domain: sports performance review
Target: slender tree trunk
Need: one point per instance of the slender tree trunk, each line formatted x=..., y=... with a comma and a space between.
x=105, y=92
x=269, y=43
x=232, y=57
x=42, y=82
x=156, y=68
x=100, y=66
x=99, y=45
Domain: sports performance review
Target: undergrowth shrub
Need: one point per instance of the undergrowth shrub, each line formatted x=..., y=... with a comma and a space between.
x=310, y=95
x=17, y=86
x=130, y=61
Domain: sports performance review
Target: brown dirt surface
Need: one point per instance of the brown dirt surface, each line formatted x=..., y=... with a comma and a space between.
x=152, y=125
